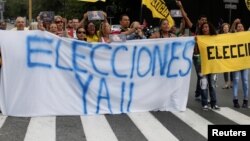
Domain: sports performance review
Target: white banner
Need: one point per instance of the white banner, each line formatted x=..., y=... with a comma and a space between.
x=43, y=75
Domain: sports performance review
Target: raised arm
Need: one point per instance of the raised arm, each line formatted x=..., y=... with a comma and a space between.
x=84, y=18
x=184, y=14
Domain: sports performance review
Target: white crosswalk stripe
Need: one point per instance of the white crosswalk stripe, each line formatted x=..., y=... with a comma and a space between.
x=97, y=128
x=234, y=115
x=194, y=120
x=41, y=129
x=152, y=129
x=2, y=120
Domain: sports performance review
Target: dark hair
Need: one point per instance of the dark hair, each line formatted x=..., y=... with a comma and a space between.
x=80, y=28
x=123, y=16
x=212, y=30
x=86, y=27
x=202, y=16
x=238, y=24
x=222, y=26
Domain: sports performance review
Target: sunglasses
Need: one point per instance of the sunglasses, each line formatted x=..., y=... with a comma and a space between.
x=83, y=32
x=58, y=22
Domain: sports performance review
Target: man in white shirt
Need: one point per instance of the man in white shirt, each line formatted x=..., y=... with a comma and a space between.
x=20, y=24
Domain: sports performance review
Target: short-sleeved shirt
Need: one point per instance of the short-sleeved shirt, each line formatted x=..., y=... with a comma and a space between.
x=93, y=38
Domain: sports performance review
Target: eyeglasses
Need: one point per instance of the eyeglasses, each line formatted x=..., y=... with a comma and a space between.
x=83, y=32
x=58, y=22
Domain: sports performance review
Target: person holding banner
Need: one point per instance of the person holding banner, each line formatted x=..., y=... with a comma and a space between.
x=40, y=26
x=233, y=27
x=244, y=78
x=224, y=29
x=53, y=28
x=59, y=21
x=138, y=34
x=125, y=22
x=164, y=31
x=91, y=32
x=20, y=24
x=104, y=30
x=75, y=25
x=33, y=26
x=207, y=82
x=81, y=34
x=194, y=28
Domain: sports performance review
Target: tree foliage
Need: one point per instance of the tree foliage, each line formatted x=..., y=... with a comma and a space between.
x=73, y=8
x=67, y=8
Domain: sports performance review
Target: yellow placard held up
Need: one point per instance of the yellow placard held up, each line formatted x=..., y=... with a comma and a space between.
x=92, y=0
x=159, y=10
x=224, y=52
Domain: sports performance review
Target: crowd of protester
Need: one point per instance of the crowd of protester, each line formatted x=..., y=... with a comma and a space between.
x=207, y=83
x=100, y=31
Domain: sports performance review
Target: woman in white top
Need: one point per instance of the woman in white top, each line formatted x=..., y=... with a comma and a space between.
x=104, y=31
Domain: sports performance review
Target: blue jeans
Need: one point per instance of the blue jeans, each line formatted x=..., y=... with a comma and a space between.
x=244, y=79
x=207, y=84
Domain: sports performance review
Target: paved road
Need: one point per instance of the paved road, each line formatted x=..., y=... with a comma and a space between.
x=190, y=125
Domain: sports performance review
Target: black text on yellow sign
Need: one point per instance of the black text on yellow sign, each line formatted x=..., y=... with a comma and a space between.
x=159, y=5
x=228, y=51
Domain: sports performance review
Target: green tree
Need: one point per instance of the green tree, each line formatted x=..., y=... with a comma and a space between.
x=65, y=8
x=14, y=8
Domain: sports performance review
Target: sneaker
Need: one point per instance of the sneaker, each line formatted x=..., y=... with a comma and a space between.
x=226, y=87
x=215, y=107
x=205, y=107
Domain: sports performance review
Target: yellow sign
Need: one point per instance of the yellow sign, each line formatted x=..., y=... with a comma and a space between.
x=248, y=4
x=224, y=52
x=159, y=10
